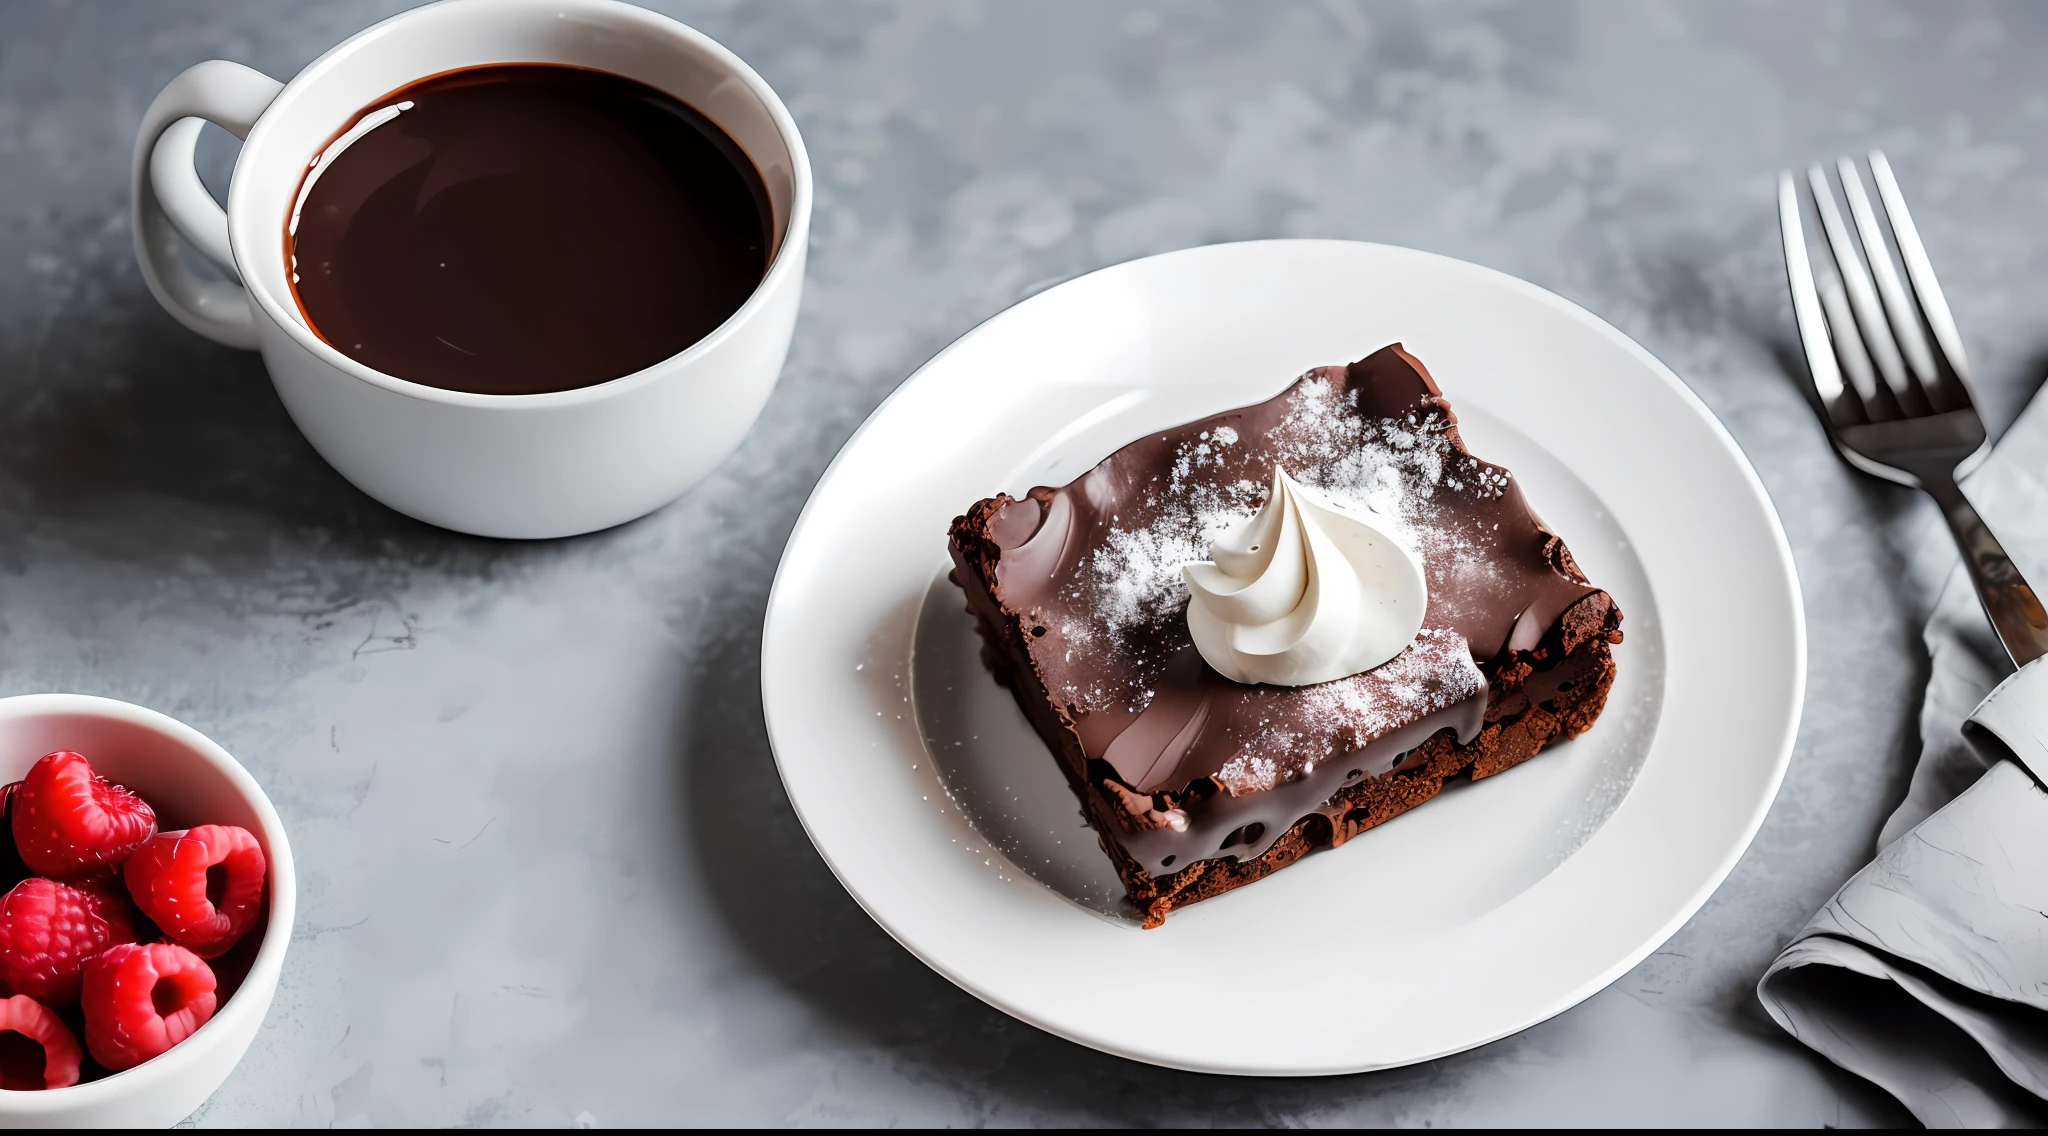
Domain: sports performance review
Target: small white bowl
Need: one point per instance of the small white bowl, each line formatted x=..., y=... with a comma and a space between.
x=189, y=781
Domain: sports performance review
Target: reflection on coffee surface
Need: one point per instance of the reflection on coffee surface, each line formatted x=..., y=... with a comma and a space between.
x=526, y=228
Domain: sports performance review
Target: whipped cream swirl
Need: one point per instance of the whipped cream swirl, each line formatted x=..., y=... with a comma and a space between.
x=1305, y=592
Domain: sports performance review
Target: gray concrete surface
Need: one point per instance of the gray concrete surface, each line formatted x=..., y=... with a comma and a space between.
x=549, y=875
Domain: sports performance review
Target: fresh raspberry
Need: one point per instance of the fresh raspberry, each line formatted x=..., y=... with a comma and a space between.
x=37, y=1050
x=71, y=823
x=143, y=998
x=48, y=930
x=202, y=885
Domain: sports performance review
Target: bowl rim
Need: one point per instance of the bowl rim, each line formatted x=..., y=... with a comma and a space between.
x=180, y=1060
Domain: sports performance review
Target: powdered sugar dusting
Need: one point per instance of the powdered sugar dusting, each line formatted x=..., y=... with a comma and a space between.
x=1434, y=673
x=1249, y=773
x=1135, y=576
x=1394, y=468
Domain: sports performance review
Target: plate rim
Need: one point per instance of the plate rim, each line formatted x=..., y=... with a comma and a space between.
x=1780, y=545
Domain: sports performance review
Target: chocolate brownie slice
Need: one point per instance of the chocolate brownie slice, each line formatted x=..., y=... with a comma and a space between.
x=1196, y=784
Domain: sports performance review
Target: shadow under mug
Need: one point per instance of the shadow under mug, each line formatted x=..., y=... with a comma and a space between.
x=530, y=465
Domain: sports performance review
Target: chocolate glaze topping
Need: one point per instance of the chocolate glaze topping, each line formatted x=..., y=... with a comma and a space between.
x=1202, y=765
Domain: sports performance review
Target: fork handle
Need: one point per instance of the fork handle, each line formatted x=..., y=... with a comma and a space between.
x=2015, y=610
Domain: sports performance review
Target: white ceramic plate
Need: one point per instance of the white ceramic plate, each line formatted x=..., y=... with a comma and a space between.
x=1485, y=911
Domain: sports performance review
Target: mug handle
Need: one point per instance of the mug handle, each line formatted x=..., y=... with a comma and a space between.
x=170, y=201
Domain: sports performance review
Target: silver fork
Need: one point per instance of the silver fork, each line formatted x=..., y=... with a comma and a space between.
x=1907, y=412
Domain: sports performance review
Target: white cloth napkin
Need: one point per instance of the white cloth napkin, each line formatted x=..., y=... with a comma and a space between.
x=1927, y=973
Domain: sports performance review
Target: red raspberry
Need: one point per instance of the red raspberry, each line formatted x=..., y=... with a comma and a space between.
x=71, y=823
x=143, y=998
x=202, y=885
x=37, y=1051
x=48, y=930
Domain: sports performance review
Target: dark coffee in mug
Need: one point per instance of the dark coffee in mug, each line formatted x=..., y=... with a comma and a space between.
x=524, y=228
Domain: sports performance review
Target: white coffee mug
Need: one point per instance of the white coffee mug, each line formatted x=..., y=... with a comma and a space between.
x=528, y=465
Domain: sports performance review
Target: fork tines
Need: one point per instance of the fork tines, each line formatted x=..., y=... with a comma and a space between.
x=1896, y=346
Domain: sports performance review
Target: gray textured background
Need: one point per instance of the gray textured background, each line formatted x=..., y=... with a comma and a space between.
x=547, y=869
